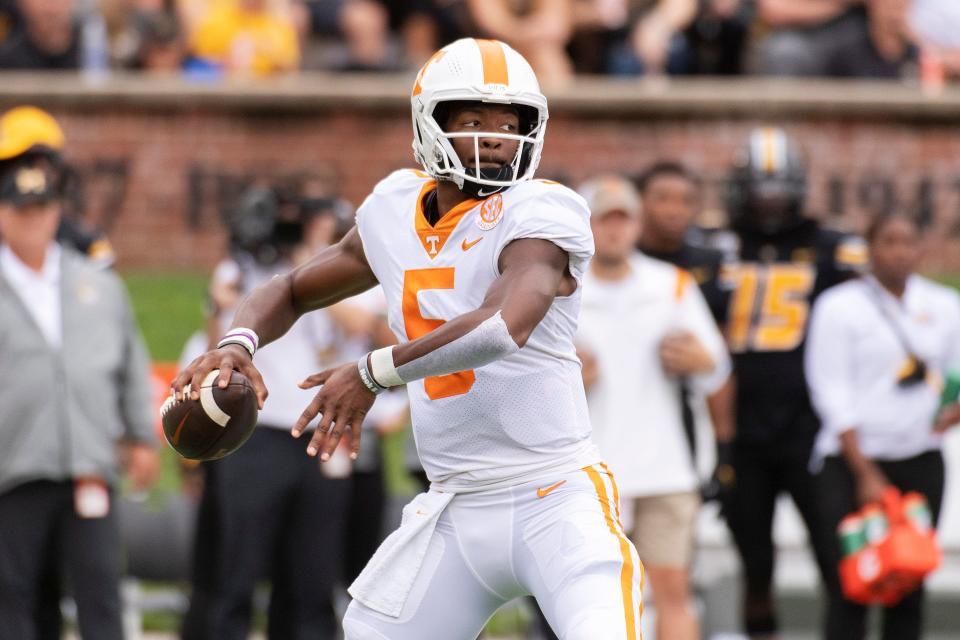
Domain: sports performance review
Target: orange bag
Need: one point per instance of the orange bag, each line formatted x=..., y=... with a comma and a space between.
x=890, y=547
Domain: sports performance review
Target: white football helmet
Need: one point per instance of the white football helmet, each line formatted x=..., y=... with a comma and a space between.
x=477, y=71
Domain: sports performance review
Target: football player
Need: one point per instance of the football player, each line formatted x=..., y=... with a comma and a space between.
x=782, y=261
x=481, y=266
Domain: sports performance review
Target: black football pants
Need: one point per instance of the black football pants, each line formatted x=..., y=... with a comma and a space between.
x=40, y=535
x=763, y=471
x=267, y=513
x=837, y=494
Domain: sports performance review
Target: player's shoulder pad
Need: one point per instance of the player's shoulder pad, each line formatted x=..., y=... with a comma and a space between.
x=401, y=180
x=547, y=194
x=847, y=251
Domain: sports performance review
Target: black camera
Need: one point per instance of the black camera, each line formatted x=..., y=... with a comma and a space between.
x=266, y=223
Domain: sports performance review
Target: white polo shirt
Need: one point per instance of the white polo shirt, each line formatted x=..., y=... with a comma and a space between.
x=634, y=405
x=39, y=292
x=853, y=358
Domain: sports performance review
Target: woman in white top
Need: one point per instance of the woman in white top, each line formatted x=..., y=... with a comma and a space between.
x=876, y=353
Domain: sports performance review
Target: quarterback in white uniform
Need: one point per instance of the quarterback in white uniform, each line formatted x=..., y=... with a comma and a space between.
x=481, y=266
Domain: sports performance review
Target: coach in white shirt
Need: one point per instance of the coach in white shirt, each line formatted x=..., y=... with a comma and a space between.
x=644, y=325
x=876, y=352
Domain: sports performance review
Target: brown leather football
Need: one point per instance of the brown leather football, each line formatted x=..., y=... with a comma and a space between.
x=216, y=424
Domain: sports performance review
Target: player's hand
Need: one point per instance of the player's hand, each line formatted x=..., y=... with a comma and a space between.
x=724, y=478
x=226, y=359
x=142, y=465
x=682, y=354
x=949, y=416
x=870, y=484
x=342, y=403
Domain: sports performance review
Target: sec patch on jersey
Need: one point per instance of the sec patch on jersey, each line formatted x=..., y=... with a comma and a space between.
x=216, y=424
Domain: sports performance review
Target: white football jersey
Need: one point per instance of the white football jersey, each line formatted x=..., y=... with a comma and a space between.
x=515, y=417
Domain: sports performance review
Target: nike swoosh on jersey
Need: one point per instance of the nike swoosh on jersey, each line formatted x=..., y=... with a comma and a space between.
x=467, y=245
x=543, y=492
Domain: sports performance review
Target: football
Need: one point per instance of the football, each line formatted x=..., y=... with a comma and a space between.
x=216, y=424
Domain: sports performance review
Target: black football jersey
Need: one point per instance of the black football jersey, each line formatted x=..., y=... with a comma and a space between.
x=772, y=283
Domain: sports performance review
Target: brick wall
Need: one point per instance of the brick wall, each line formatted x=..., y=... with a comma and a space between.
x=156, y=172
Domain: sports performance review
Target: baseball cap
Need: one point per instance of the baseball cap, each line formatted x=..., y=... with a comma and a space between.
x=28, y=180
x=608, y=193
x=26, y=128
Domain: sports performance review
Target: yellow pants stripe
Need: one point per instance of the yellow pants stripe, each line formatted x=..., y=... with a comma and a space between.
x=626, y=573
x=616, y=498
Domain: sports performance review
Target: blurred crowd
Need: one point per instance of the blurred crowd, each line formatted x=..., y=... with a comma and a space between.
x=210, y=38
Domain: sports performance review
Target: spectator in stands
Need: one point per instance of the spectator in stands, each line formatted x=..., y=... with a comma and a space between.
x=427, y=25
x=46, y=36
x=161, y=47
x=145, y=34
x=638, y=36
x=834, y=37
x=247, y=37
x=876, y=349
x=267, y=502
x=935, y=25
x=718, y=36
x=671, y=199
x=76, y=386
x=538, y=29
x=362, y=27
x=8, y=18
x=646, y=325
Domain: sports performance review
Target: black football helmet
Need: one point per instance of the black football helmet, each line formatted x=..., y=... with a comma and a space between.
x=768, y=184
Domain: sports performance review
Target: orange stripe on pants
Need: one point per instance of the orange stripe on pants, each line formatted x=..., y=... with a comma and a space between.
x=626, y=573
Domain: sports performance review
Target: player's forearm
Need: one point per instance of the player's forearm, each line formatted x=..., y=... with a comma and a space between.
x=336, y=273
x=676, y=13
x=858, y=463
x=531, y=274
x=268, y=310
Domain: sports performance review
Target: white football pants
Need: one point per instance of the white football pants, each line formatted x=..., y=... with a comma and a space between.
x=558, y=538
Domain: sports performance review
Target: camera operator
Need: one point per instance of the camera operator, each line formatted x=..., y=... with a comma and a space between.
x=267, y=502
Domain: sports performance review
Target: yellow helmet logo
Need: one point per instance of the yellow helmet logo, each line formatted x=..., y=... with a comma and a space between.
x=23, y=128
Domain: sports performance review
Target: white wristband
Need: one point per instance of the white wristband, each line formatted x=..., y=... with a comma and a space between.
x=246, y=338
x=382, y=369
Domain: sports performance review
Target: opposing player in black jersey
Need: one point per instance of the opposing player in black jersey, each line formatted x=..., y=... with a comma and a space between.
x=671, y=197
x=781, y=261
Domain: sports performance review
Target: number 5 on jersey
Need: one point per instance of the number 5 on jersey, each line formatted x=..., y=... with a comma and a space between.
x=415, y=326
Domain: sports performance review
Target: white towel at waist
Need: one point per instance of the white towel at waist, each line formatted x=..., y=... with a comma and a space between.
x=386, y=581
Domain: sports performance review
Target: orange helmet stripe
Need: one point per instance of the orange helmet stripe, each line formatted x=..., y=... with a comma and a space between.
x=494, y=62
